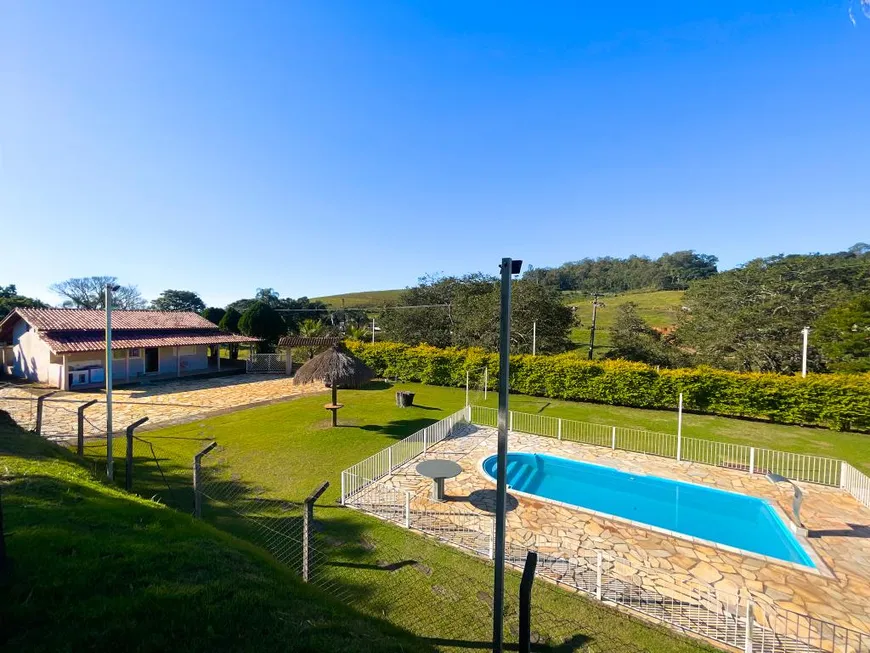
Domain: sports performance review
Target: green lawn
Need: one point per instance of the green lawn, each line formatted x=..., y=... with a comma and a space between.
x=285, y=450
x=93, y=568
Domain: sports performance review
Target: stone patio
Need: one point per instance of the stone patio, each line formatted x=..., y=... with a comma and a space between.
x=164, y=403
x=839, y=526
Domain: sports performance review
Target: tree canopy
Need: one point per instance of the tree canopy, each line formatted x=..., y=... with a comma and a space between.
x=90, y=292
x=464, y=312
x=262, y=321
x=230, y=321
x=843, y=335
x=633, y=339
x=613, y=275
x=178, y=300
x=213, y=314
x=10, y=299
x=750, y=318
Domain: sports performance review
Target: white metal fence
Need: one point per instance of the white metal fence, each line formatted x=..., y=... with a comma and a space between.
x=385, y=461
x=754, y=460
x=855, y=483
x=267, y=364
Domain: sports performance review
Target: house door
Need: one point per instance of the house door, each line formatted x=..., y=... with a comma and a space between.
x=152, y=360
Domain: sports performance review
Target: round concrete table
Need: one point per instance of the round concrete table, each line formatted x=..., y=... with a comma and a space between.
x=438, y=470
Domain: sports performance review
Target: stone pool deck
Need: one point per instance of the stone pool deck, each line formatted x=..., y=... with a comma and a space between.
x=839, y=526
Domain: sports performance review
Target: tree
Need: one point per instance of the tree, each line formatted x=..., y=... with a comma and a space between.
x=633, y=339
x=90, y=292
x=613, y=275
x=178, y=300
x=843, y=334
x=214, y=314
x=262, y=321
x=241, y=305
x=464, y=312
x=312, y=329
x=750, y=318
x=268, y=296
x=230, y=323
x=10, y=300
x=360, y=334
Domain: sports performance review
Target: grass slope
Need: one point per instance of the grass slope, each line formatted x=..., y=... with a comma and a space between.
x=367, y=299
x=96, y=569
x=659, y=308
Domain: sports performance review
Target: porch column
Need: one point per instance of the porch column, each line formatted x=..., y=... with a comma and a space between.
x=289, y=361
x=177, y=361
x=64, y=375
x=218, y=358
x=127, y=367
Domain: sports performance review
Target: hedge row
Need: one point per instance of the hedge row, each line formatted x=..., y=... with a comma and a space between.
x=841, y=402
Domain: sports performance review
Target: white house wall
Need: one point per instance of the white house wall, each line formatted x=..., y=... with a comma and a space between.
x=32, y=355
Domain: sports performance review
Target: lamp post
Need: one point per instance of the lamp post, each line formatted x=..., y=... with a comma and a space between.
x=509, y=267
x=806, y=332
x=110, y=462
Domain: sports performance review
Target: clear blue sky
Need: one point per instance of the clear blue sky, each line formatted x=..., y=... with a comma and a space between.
x=321, y=147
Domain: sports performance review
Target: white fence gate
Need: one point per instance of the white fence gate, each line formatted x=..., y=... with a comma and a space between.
x=267, y=364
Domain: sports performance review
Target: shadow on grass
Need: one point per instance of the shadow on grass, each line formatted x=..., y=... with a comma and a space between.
x=400, y=428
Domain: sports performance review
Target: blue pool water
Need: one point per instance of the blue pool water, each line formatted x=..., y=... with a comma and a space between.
x=736, y=520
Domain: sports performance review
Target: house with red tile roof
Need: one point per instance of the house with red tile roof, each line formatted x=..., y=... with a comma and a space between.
x=66, y=348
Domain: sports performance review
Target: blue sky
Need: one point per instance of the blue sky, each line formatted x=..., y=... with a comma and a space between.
x=321, y=147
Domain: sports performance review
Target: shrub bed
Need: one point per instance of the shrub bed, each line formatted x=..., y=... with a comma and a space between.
x=837, y=401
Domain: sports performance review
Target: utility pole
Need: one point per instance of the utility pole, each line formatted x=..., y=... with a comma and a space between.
x=595, y=305
x=806, y=332
x=534, y=336
x=373, y=330
x=110, y=461
x=508, y=268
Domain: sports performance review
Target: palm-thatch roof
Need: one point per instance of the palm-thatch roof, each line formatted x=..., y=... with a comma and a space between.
x=335, y=366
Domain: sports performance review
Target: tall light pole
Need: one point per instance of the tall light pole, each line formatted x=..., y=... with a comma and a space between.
x=373, y=330
x=110, y=462
x=806, y=332
x=508, y=267
x=595, y=305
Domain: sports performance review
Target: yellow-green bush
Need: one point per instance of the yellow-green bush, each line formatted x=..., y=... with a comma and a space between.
x=837, y=401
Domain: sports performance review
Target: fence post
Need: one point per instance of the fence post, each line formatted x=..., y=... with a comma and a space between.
x=510, y=420
x=39, y=401
x=844, y=473
x=613, y=438
x=751, y=460
x=407, y=509
x=425, y=438
x=80, y=442
x=598, y=573
x=197, y=480
x=559, y=431
x=128, y=471
x=390, y=458
x=747, y=636
x=307, y=529
x=680, y=428
x=342, y=487
x=526, y=602
x=466, y=387
x=469, y=414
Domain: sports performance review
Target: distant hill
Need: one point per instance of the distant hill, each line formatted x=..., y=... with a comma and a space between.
x=659, y=308
x=366, y=299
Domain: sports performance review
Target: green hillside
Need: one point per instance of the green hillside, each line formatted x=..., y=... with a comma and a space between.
x=659, y=308
x=93, y=568
x=367, y=299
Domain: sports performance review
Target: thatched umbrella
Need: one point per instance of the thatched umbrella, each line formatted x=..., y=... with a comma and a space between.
x=335, y=367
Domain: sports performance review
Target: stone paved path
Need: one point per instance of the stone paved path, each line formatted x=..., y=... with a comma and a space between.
x=163, y=403
x=839, y=527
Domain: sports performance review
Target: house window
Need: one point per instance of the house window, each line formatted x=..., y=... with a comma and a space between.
x=135, y=352
x=118, y=353
x=188, y=350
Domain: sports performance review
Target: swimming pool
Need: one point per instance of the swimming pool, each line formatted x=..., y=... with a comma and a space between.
x=728, y=518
